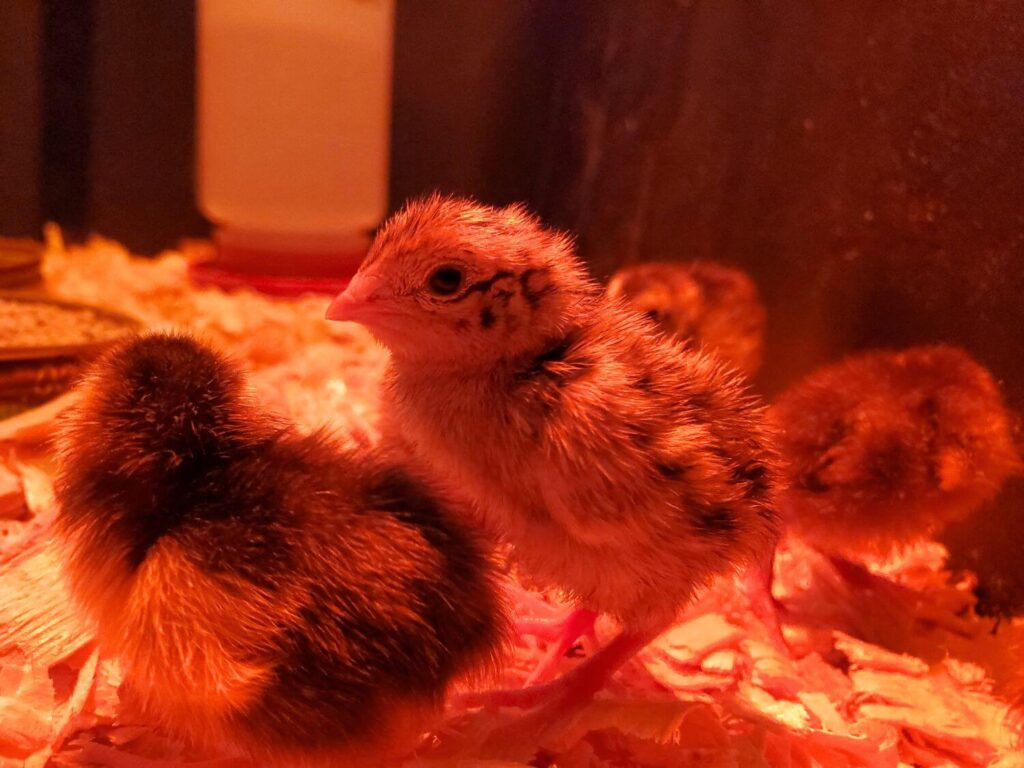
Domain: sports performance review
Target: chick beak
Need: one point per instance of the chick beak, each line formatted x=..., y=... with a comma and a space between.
x=358, y=301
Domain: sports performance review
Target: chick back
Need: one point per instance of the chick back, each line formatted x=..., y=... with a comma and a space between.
x=885, y=447
x=262, y=588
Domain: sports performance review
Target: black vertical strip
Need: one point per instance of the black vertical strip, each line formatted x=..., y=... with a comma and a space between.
x=20, y=214
x=141, y=161
x=66, y=62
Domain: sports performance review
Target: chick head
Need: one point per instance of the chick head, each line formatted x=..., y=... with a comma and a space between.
x=451, y=280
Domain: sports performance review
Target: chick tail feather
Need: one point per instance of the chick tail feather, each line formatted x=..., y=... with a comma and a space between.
x=159, y=418
x=160, y=406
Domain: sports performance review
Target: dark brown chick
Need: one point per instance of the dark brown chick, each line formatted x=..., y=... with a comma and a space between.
x=885, y=448
x=622, y=467
x=265, y=591
x=702, y=303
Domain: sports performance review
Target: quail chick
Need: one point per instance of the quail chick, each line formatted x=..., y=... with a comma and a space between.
x=265, y=591
x=703, y=303
x=620, y=466
x=885, y=448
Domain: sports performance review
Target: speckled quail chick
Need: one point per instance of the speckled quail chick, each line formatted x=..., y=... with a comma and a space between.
x=886, y=447
x=705, y=304
x=622, y=467
x=265, y=591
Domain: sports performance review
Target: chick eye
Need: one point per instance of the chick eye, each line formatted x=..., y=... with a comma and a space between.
x=445, y=281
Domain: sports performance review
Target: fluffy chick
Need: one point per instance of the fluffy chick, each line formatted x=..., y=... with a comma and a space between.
x=622, y=467
x=885, y=448
x=265, y=591
x=703, y=303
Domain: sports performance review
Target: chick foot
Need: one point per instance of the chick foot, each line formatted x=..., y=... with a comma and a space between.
x=756, y=584
x=573, y=688
x=561, y=636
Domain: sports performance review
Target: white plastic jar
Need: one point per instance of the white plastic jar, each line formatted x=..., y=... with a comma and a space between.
x=294, y=113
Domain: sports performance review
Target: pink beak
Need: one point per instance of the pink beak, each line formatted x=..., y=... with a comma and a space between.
x=358, y=301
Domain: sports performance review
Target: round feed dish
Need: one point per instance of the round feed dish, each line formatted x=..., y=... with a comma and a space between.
x=46, y=343
x=56, y=329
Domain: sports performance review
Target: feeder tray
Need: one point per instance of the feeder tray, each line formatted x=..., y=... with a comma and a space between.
x=46, y=344
x=281, y=272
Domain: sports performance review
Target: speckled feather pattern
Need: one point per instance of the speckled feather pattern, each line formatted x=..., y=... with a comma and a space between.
x=887, y=447
x=624, y=468
x=263, y=589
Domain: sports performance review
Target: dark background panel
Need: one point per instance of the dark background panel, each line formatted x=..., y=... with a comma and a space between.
x=66, y=38
x=20, y=117
x=141, y=165
x=472, y=93
x=861, y=160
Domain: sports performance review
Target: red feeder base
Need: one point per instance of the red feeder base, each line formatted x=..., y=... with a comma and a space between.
x=279, y=268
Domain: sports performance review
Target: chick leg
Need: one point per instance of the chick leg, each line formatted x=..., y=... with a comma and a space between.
x=543, y=629
x=555, y=626
x=757, y=585
x=575, y=687
x=579, y=623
